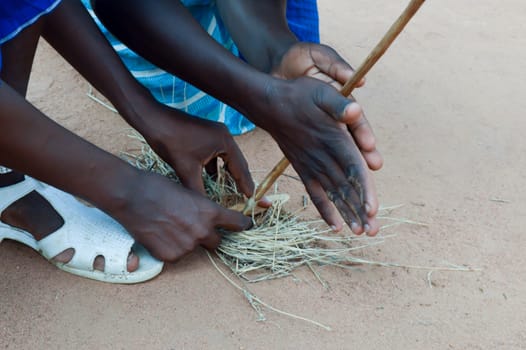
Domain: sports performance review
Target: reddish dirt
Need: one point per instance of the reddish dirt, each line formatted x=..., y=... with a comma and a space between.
x=451, y=149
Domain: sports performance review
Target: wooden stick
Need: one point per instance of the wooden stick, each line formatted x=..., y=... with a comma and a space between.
x=347, y=89
x=382, y=46
x=266, y=184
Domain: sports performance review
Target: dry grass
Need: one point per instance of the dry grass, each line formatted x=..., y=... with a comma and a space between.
x=279, y=241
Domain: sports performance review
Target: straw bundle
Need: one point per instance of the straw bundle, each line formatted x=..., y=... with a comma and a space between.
x=278, y=243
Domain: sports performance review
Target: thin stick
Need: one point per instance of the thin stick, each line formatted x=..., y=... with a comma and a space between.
x=266, y=185
x=382, y=46
x=347, y=89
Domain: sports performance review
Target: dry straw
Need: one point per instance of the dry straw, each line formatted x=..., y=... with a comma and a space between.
x=280, y=241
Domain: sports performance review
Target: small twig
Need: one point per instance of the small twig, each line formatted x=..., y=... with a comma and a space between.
x=500, y=200
x=99, y=101
x=318, y=277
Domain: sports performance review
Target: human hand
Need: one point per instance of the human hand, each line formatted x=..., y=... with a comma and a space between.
x=309, y=119
x=170, y=220
x=188, y=144
x=325, y=64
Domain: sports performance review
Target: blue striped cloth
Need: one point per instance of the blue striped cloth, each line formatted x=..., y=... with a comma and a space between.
x=176, y=93
x=303, y=19
x=15, y=15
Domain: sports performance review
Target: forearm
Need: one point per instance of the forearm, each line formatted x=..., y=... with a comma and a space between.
x=33, y=144
x=75, y=36
x=259, y=29
x=165, y=33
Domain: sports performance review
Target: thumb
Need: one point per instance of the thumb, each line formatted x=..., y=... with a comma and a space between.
x=231, y=220
x=342, y=109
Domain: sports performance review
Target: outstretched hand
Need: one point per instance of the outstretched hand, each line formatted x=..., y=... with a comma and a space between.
x=309, y=119
x=334, y=144
x=324, y=63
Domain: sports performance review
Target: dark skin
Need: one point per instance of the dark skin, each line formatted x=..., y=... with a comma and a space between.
x=166, y=218
x=332, y=162
x=261, y=33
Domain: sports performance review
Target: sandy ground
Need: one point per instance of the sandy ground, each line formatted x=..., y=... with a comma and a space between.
x=447, y=109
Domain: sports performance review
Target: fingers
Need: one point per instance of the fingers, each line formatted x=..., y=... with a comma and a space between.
x=350, y=113
x=237, y=166
x=333, y=65
x=325, y=207
x=373, y=159
x=212, y=169
x=328, y=197
x=164, y=248
x=265, y=202
x=226, y=220
x=363, y=135
x=192, y=178
x=212, y=241
x=356, y=174
x=231, y=220
x=342, y=109
x=347, y=191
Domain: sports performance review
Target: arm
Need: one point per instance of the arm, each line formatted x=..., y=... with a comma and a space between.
x=171, y=133
x=261, y=32
x=259, y=29
x=302, y=115
x=166, y=218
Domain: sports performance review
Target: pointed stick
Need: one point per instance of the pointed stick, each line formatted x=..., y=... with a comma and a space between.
x=347, y=89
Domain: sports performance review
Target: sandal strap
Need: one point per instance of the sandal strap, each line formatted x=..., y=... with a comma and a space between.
x=10, y=194
x=89, y=231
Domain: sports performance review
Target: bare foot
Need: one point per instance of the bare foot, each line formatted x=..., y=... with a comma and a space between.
x=35, y=215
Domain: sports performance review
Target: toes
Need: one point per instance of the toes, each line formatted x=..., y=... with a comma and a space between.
x=99, y=262
x=133, y=262
x=65, y=256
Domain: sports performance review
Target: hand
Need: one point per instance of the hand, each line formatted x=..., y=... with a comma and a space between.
x=323, y=63
x=188, y=144
x=309, y=120
x=171, y=221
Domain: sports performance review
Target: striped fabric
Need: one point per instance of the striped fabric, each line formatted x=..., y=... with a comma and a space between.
x=303, y=19
x=15, y=15
x=176, y=93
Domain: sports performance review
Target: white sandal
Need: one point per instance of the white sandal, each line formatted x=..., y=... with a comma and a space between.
x=87, y=230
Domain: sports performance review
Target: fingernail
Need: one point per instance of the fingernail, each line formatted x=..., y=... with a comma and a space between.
x=368, y=208
x=265, y=202
x=367, y=228
x=354, y=107
x=354, y=227
x=333, y=228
